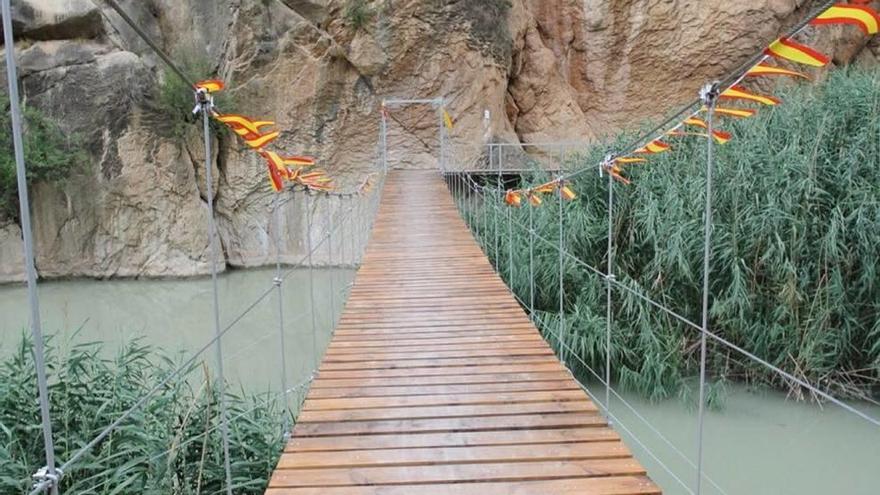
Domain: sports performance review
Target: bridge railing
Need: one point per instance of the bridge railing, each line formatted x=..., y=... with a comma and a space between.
x=337, y=225
x=515, y=244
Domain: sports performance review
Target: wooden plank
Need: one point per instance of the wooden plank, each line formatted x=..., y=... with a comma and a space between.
x=614, y=485
x=487, y=423
x=456, y=411
x=436, y=381
x=454, y=455
x=455, y=473
x=494, y=398
x=451, y=439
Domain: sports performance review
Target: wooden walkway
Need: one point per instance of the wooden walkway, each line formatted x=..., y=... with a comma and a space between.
x=436, y=382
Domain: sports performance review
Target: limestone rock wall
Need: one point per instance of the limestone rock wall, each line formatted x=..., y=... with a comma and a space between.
x=544, y=70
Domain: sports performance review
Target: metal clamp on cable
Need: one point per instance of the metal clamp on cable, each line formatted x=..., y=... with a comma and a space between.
x=607, y=163
x=709, y=93
x=43, y=479
x=611, y=277
x=277, y=281
x=204, y=100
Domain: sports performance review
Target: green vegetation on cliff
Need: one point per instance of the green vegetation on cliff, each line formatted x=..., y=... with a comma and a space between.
x=50, y=155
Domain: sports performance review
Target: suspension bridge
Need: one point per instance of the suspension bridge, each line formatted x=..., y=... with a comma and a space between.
x=437, y=377
x=437, y=380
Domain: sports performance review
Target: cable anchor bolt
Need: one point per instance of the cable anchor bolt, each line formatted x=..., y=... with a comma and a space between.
x=607, y=164
x=204, y=101
x=709, y=93
x=42, y=478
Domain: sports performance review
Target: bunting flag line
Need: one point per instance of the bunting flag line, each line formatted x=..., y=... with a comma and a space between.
x=862, y=16
x=786, y=49
x=211, y=85
x=567, y=193
x=765, y=69
x=654, y=147
x=280, y=168
x=740, y=93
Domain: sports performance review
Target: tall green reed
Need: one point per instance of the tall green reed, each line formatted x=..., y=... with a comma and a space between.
x=172, y=445
x=794, y=256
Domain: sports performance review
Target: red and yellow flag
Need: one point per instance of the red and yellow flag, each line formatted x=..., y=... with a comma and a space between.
x=275, y=178
x=720, y=136
x=534, y=199
x=862, y=16
x=259, y=141
x=764, y=69
x=211, y=85
x=513, y=198
x=654, y=147
x=567, y=193
x=447, y=120
x=243, y=125
x=546, y=188
x=630, y=160
x=617, y=174
x=741, y=113
x=300, y=161
x=786, y=49
x=740, y=93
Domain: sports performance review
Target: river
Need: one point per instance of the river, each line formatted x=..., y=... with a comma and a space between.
x=759, y=443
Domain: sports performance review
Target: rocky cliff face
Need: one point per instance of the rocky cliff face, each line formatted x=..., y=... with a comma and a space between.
x=546, y=70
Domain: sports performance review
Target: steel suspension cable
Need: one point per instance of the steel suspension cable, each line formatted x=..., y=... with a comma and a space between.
x=51, y=472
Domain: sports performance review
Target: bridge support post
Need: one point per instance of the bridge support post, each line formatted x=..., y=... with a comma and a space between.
x=50, y=473
x=609, y=283
x=709, y=94
x=332, y=268
x=278, y=281
x=310, y=260
x=531, y=261
x=562, y=329
x=207, y=107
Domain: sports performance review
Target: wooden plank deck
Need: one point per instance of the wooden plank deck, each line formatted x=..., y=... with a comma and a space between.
x=436, y=382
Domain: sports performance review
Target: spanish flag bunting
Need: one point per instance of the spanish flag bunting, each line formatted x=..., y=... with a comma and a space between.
x=655, y=146
x=741, y=113
x=546, y=188
x=243, y=125
x=862, y=16
x=786, y=49
x=301, y=161
x=630, y=160
x=765, y=69
x=721, y=137
x=293, y=174
x=617, y=173
x=262, y=140
x=567, y=193
x=534, y=199
x=211, y=85
x=275, y=178
x=513, y=198
x=447, y=120
x=740, y=93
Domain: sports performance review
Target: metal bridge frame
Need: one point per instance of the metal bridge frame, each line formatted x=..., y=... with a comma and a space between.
x=438, y=104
